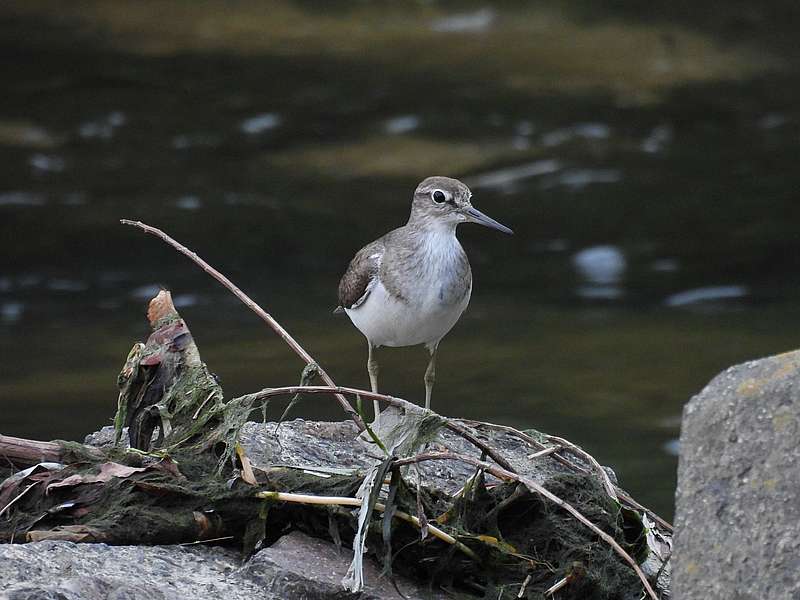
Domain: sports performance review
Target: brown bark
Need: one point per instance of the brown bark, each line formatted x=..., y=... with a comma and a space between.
x=22, y=453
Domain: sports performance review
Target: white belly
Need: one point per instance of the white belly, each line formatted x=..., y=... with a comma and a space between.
x=386, y=321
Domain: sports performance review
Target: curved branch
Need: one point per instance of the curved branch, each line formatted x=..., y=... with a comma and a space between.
x=620, y=495
x=321, y=389
x=250, y=303
x=501, y=473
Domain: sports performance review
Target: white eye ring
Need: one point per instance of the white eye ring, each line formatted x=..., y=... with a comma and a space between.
x=438, y=196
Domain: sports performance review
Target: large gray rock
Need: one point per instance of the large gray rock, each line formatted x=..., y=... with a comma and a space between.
x=296, y=567
x=738, y=499
x=68, y=571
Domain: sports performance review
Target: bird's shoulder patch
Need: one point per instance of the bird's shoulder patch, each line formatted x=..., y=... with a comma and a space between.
x=361, y=275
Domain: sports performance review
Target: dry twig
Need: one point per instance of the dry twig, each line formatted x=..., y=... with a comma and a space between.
x=501, y=473
x=620, y=494
x=321, y=389
x=357, y=502
x=265, y=316
x=557, y=586
x=18, y=496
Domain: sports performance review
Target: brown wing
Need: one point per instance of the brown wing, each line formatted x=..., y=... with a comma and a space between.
x=356, y=283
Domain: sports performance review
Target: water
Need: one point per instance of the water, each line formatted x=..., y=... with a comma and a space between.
x=646, y=165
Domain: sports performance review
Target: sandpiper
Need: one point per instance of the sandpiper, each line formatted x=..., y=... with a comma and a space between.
x=410, y=286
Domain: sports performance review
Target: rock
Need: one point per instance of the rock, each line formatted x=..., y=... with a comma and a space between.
x=297, y=566
x=68, y=571
x=285, y=570
x=738, y=486
x=335, y=446
x=303, y=567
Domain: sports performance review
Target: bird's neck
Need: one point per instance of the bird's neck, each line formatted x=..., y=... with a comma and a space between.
x=435, y=240
x=422, y=225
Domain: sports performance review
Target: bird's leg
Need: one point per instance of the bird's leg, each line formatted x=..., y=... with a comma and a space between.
x=430, y=375
x=372, y=369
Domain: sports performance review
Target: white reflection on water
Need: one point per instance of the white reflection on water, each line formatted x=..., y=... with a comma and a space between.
x=21, y=198
x=184, y=300
x=74, y=199
x=665, y=265
x=672, y=447
x=11, y=311
x=602, y=268
x=506, y=179
x=520, y=142
x=102, y=127
x=657, y=139
x=30, y=280
x=34, y=136
x=145, y=292
x=587, y=131
x=260, y=123
x=479, y=20
x=578, y=179
x=67, y=285
x=401, y=124
x=525, y=128
x=185, y=141
x=189, y=202
x=772, y=121
x=47, y=163
x=707, y=294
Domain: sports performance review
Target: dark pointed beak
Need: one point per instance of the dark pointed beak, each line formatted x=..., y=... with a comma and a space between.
x=475, y=216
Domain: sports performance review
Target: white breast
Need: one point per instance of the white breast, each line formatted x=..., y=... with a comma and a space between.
x=426, y=315
x=386, y=321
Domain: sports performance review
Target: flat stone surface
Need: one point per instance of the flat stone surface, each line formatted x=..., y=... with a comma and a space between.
x=284, y=570
x=337, y=446
x=68, y=571
x=738, y=498
x=296, y=567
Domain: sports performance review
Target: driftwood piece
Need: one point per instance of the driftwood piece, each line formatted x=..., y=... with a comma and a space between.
x=164, y=385
x=22, y=453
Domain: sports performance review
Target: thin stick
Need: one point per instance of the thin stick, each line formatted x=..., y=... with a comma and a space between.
x=217, y=539
x=544, y=452
x=309, y=499
x=524, y=585
x=621, y=494
x=18, y=496
x=199, y=408
x=265, y=316
x=347, y=501
x=591, y=460
x=556, y=586
x=321, y=389
x=532, y=485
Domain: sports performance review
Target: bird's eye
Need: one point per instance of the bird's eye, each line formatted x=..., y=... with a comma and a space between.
x=438, y=196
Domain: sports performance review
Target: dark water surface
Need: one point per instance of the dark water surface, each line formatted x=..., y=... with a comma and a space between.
x=647, y=166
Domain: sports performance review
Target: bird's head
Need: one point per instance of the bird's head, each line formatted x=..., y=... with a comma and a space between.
x=442, y=200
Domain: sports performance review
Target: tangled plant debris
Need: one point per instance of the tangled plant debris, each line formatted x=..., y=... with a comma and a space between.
x=474, y=508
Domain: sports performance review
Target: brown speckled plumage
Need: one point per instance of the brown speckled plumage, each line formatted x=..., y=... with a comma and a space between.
x=361, y=271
